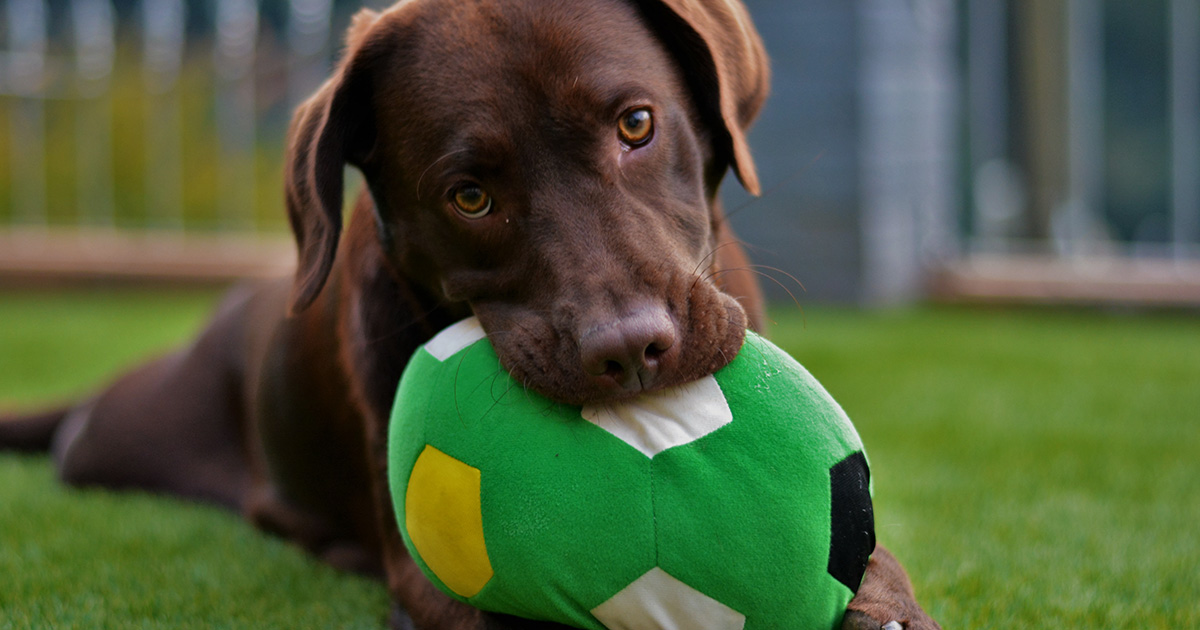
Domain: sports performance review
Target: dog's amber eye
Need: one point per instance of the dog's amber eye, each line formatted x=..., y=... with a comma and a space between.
x=636, y=126
x=471, y=201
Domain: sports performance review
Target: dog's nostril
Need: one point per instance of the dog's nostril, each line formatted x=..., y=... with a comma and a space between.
x=631, y=350
x=614, y=369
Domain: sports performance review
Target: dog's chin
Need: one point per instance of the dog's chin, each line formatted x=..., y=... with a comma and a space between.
x=546, y=361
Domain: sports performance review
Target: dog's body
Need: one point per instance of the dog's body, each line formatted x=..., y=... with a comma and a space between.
x=550, y=167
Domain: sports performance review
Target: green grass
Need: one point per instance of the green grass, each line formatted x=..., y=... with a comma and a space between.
x=94, y=559
x=63, y=345
x=1032, y=469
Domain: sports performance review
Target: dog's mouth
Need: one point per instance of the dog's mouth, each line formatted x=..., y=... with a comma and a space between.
x=644, y=349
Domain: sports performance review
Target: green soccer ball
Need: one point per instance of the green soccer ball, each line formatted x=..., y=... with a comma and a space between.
x=741, y=500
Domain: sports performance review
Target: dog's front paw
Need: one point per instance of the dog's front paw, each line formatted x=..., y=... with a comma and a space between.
x=885, y=599
x=859, y=620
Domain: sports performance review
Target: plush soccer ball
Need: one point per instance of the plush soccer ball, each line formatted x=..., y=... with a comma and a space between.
x=738, y=501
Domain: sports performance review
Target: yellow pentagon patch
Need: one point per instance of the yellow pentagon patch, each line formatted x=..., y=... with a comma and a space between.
x=445, y=523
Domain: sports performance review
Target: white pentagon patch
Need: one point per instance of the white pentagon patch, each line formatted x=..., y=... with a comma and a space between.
x=655, y=422
x=659, y=601
x=453, y=339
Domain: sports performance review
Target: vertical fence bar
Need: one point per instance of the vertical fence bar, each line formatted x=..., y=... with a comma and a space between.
x=163, y=41
x=987, y=80
x=937, y=115
x=27, y=76
x=92, y=22
x=908, y=114
x=236, y=38
x=1076, y=224
x=308, y=41
x=1184, y=20
x=997, y=190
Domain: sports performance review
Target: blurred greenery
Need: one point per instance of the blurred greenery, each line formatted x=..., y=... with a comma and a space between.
x=1033, y=468
x=130, y=104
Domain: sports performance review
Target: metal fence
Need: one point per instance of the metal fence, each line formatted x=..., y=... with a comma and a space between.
x=1082, y=122
x=84, y=82
x=938, y=133
x=1102, y=152
x=127, y=124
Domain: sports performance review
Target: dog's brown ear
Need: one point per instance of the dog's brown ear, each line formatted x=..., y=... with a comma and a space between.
x=725, y=65
x=329, y=130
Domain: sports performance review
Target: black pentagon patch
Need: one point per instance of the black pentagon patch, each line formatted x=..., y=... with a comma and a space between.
x=852, y=520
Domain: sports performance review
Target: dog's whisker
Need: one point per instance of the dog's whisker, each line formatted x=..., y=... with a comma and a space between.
x=757, y=267
x=758, y=271
x=709, y=257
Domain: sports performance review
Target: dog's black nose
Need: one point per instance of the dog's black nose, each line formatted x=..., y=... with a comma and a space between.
x=630, y=351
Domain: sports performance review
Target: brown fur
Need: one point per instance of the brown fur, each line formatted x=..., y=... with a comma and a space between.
x=604, y=269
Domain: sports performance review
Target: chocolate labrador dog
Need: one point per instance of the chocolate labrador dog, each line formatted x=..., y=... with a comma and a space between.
x=551, y=167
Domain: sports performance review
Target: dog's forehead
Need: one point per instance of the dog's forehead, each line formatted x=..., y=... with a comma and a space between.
x=489, y=54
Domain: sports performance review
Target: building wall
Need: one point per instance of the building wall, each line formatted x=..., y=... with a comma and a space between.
x=851, y=147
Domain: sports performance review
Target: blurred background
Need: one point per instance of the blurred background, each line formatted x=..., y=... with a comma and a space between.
x=1034, y=467
x=984, y=150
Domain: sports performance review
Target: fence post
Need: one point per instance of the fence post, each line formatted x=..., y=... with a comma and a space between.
x=163, y=40
x=1184, y=18
x=1078, y=225
x=997, y=199
x=907, y=140
x=94, y=31
x=27, y=75
x=237, y=36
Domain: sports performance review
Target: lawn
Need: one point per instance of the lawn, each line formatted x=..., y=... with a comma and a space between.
x=1032, y=469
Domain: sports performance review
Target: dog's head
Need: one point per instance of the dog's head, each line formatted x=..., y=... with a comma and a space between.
x=552, y=164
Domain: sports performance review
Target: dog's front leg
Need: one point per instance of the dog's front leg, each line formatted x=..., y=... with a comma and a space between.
x=885, y=600
x=416, y=603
